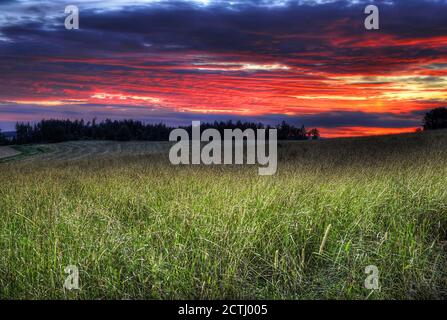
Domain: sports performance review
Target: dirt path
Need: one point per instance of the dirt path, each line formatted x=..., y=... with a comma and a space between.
x=77, y=150
x=6, y=152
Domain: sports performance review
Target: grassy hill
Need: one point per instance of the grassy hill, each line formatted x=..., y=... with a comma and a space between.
x=137, y=227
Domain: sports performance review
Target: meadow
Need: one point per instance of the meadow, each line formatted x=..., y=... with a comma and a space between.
x=139, y=228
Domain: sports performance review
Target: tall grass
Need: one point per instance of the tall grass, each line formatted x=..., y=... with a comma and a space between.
x=137, y=227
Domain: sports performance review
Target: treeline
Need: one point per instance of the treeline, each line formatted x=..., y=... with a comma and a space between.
x=50, y=131
x=435, y=119
x=3, y=140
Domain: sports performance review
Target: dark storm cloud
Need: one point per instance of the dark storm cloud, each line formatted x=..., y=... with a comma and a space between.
x=244, y=28
x=334, y=119
x=361, y=119
x=3, y=2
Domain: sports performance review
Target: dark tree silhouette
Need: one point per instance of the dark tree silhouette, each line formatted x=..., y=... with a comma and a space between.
x=3, y=139
x=24, y=133
x=436, y=119
x=124, y=133
x=314, y=134
x=48, y=131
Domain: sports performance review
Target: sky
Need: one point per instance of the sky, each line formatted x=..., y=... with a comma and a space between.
x=302, y=61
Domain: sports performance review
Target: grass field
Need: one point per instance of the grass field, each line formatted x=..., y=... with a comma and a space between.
x=6, y=152
x=137, y=227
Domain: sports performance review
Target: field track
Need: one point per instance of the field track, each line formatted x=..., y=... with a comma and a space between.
x=78, y=150
x=6, y=152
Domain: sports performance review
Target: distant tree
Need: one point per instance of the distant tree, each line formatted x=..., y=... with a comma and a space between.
x=24, y=133
x=290, y=132
x=3, y=139
x=124, y=133
x=300, y=134
x=436, y=119
x=314, y=134
x=284, y=131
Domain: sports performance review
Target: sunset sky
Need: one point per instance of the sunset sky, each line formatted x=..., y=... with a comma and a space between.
x=306, y=62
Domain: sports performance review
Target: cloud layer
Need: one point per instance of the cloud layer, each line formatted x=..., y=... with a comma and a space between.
x=311, y=62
